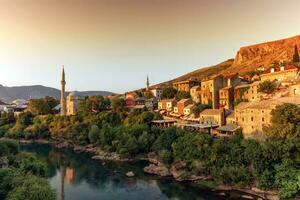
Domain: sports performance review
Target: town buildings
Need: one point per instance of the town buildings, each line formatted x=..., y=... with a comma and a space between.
x=181, y=105
x=157, y=92
x=213, y=116
x=280, y=73
x=195, y=93
x=253, y=116
x=167, y=104
x=210, y=90
x=185, y=85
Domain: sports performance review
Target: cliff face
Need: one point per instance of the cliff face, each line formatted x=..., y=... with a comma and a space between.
x=263, y=55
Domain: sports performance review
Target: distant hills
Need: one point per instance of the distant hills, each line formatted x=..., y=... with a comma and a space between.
x=8, y=94
x=247, y=59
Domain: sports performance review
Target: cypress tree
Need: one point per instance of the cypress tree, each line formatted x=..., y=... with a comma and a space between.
x=296, y=58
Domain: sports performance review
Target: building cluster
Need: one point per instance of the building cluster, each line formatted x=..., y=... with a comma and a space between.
x=236, y=101
x=17, y=106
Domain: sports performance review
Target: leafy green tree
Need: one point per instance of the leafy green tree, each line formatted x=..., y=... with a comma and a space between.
x=118, y=104
x=169, y=93
x=94, y=104
x=6, y=179
x=191, y=147
x=284, y=122
x=182, y=95
x=31, y=187
x=198, y=108
x=287, y=179
x=42, y=106
x=267, y=87
x=28, y=163
x=93, y=134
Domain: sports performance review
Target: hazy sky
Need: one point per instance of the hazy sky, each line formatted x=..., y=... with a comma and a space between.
x=113, y=44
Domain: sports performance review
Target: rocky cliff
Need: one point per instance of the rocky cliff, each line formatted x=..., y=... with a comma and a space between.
x=248, y=59
x=263, y=55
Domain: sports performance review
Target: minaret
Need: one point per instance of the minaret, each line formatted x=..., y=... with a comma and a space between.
x=147, y=84
x=63, y=107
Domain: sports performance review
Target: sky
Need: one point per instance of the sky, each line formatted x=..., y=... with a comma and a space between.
x=113, y=45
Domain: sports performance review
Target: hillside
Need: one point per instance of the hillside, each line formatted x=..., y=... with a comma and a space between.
x=8, y=94
x=247, y=59
x=263, y=55
x=201, y=73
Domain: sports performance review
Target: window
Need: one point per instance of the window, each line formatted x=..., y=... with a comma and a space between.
x=252, y=119
x=263, y=119
x=252, y=127
x=243, y=119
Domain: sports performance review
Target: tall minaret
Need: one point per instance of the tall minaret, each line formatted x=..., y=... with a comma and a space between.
x=63, y=108
x=147, y=84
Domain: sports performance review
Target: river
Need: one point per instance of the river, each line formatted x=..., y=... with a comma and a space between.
x=75, y=176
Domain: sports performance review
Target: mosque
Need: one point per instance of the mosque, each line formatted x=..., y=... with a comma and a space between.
x=69, y=104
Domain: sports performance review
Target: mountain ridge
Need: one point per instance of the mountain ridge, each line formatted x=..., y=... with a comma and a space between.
x=8, y=94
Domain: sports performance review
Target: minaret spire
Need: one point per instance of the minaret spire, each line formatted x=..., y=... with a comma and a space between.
x=63, y=107
x=147, y=83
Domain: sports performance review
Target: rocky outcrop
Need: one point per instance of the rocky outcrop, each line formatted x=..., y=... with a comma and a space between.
x=262, y=55
x=160, y=170
x=130, y=174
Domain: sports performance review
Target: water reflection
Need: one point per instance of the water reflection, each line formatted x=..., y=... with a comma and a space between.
x=77, y=177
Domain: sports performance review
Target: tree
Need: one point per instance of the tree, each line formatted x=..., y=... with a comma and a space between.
x=198, y=108
x=182, y=95
x=94, y=104
x=169, y=93
x=267, y=87
x=31, y=187
x=118, y=104
x=284, y=122
x=93, y=134
x=296, y=58
x=42, y=106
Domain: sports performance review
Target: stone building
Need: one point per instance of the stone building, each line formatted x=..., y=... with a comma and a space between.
x=130, y=98
x=157, y=92
x=166, y=104
x=253, y=116
x=226, y=97
x=213, y=116
x=195, y=93
x=188, y=110
x=210, y=90
x=280, y=73
x=185, y=85
x=247, y=92
x=179, y=108
x=73, y=101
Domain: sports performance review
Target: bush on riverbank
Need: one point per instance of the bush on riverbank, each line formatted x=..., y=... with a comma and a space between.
x=21, y=175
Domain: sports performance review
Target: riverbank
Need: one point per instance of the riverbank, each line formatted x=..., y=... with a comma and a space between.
x=176, y=171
